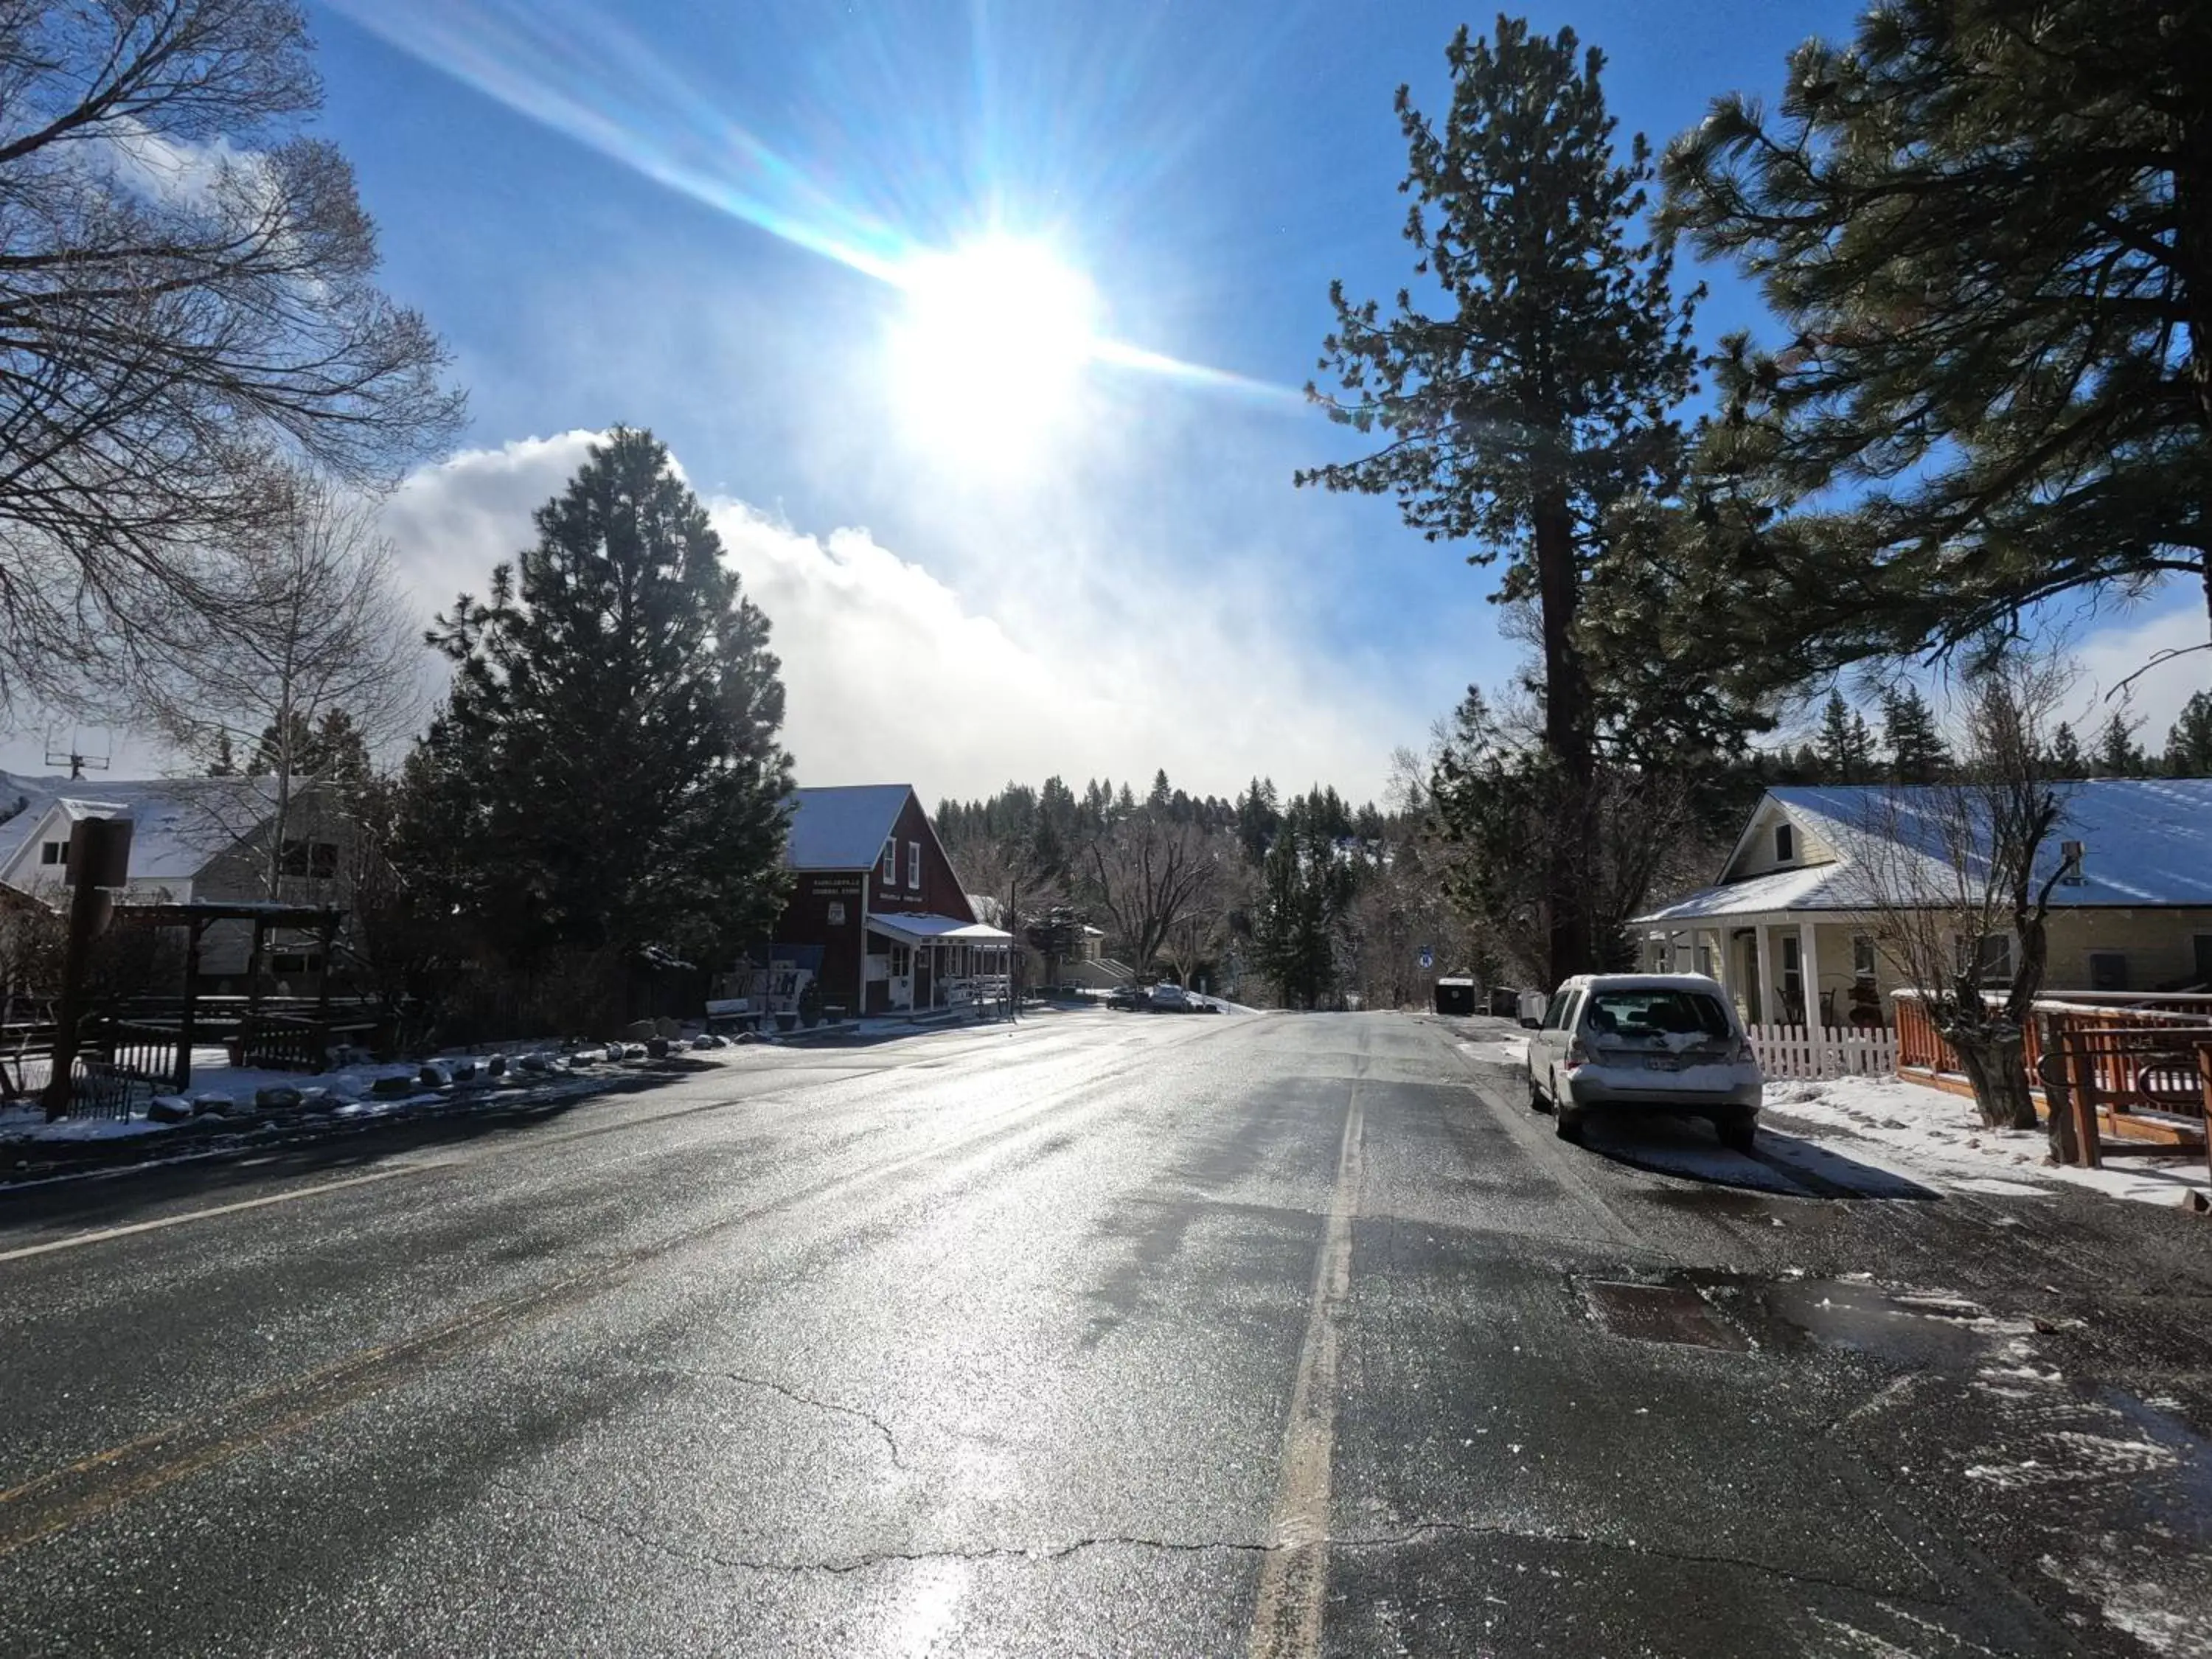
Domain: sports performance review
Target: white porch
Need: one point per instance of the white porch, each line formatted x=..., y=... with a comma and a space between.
x=931, y=962
x=1780, y=968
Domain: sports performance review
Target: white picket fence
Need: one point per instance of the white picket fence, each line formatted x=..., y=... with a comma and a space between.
x=1800, y=1051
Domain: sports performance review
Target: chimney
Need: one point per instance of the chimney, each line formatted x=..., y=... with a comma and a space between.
x=2070, y=854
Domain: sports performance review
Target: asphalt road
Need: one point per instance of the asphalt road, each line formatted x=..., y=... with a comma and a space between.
x=1128, y=1334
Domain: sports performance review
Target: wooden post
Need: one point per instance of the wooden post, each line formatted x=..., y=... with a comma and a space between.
x=2081, y=1087
x=329, y=934
x=1762, y=992
x=100, y=857
x=2205, y=1071
x=188, y=1022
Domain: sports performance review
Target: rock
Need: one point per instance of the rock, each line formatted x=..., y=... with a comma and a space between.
x=462, y=1071
x=169, y=1109
x=534, y=1062
x=433, y=1075
x=393, y=1088
x=209, y=1105
x=638, y=1030
x=665, y=1027
x=319, y=1101
x=656, y=1048
x=710, y=1040
x=278, y=1097
x=496, y=1066
x=2196, y=1201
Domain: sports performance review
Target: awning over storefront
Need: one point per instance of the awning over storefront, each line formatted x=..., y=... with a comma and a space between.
x=936, y=930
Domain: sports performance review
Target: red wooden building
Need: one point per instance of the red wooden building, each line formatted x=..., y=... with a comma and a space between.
x=877, y=914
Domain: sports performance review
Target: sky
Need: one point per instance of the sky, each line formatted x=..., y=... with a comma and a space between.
x=833, y=255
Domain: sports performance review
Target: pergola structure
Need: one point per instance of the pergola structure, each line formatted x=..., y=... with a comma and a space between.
x=196, y=916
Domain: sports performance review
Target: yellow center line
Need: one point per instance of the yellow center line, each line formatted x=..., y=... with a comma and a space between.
x=1286, y=1624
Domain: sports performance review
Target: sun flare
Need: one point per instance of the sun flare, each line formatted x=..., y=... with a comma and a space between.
x=989, y=353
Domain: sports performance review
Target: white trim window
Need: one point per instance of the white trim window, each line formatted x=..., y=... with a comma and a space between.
x=1785, y=843
x=891, y=861
x=914, y=865
x=1863, y=956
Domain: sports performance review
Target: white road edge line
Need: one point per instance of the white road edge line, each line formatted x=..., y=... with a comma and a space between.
x=101, y=1234
x=1286, y=1624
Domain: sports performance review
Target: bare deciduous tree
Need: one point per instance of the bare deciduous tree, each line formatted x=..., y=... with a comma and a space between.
x=1146, y=872
x=320, y=639
x=1961, y=877
x=187, y=308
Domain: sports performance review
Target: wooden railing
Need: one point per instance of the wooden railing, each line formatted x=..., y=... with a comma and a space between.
x=283, y=1042
x=2136, y=1058
x=147, y=1049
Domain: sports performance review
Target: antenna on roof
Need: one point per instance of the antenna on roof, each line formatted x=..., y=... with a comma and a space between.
x=74, y=758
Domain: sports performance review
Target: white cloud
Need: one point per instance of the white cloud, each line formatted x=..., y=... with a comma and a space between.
x=2109, y=655
x=892, y=674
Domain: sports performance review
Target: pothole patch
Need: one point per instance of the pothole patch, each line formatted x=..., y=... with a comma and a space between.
x=1660, y=1313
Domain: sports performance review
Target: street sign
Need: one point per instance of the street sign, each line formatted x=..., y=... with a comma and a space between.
x=1428, y=957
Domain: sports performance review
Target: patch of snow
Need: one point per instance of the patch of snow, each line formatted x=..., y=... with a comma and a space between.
x=1498, y=1051
x=1943, y=1140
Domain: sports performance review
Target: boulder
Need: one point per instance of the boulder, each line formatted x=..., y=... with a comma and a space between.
x=169, y=1109
x=535, y=1061
x=208, y=1105
x=319, y=1101
x=656, y=1048
x=278, y=1097
x=496, y=1066
x=393, y=1088
x=462, y=1071
x=433, y=1075
x=638, y=1030
x=665, y=1027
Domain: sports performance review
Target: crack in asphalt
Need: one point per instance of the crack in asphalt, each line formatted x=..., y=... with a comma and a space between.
x=771, y=1386
x=1034, y=1553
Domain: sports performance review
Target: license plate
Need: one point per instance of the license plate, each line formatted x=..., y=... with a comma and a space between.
x=1661, y=1063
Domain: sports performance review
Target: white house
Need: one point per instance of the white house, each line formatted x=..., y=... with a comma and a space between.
x=1791, y=923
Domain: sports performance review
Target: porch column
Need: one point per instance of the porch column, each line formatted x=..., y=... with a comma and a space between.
x=1808, y=962
x=188, y=1020
x=1721, y=966
x=1763, y=992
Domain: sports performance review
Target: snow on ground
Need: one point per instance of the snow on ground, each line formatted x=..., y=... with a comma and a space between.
x=1940, y=1135
x=1498, y=1051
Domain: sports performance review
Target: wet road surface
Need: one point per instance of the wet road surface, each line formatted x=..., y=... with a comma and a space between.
x=1106, y=1335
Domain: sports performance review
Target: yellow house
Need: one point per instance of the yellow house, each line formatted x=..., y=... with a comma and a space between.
x=1792, y=923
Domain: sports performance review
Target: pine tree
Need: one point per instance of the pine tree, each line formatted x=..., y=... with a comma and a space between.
x=2118, y=755
x=1843, y=744
x=2189, y=744
x=222, y=764
x=1977, y=220
x=1539, y=396
x=1918, y=753
x=2067, y=759
x=1294, y=936
x=613, y=725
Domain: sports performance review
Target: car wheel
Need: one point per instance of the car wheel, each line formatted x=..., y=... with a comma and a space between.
x=1567, y=1121
x=1537, y=1103
x=1740, y=1132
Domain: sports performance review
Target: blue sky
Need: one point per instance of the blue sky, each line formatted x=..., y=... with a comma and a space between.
x=586, y=200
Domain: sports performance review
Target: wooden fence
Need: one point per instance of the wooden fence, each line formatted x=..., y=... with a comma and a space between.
x=2128, y=1055
x=1800, y=1051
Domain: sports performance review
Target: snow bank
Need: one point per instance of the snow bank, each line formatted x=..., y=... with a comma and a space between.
x=1940, y=1136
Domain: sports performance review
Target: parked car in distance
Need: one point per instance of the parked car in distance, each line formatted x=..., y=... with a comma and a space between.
x=1172, y=998
x=1125, y=996
x=1662, y=1042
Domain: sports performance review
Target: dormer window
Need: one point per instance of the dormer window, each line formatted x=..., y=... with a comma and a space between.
x=1785, y=843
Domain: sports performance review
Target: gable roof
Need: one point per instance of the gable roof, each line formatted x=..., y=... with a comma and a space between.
x=178, y=824
x=2146, y=842
x=843, y=828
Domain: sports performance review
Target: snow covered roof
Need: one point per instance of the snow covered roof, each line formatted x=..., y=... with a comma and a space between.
x=938, y=930
x=2146, y=842
x=178, y=824
x=844, y=828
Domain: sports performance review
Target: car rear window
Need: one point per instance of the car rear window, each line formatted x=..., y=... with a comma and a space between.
x=1660, y=1014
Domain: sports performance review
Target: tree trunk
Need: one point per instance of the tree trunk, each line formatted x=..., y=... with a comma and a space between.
x=2192, y=199
x=1567, y=740
x=1995, y=1061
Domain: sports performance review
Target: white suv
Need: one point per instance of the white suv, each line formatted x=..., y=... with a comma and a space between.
x=1666, y=1042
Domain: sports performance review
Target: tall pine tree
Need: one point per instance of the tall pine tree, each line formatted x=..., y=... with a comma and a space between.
x=1843, y=744
x=1918, y=753
x=2067, y=759
x=1984, y=225
x=2189, y=744
x=1540, y=393
x=612, y=732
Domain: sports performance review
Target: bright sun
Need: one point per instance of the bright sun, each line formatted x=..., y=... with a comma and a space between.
x=990, y=351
